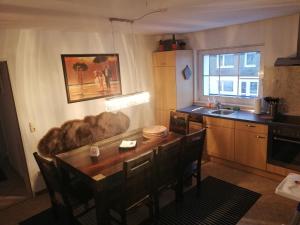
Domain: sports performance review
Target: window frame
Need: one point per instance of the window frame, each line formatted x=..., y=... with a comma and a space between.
x=247, y=101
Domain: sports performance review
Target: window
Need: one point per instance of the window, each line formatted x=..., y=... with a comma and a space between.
x=234, y=74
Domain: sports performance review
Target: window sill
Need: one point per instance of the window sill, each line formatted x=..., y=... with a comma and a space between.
x=243, y=102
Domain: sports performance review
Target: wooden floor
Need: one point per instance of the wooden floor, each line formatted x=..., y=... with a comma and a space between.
x=12, y=190
x=270, y=209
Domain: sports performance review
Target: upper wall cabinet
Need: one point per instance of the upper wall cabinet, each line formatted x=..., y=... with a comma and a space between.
x=171, y=90
x=167, y=58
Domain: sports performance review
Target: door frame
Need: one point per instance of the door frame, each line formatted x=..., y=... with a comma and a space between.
x=26, y=178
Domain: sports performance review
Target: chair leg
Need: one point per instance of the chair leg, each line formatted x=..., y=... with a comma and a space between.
x=199, y=178
x=156, y=205
x=179, y=189
x=151, y=214
x=124, y=217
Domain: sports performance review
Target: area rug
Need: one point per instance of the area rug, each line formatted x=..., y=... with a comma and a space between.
x=2, y=175
x=217, y=203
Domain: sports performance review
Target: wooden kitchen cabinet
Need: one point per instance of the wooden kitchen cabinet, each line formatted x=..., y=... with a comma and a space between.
x=220, y=138
x=167, y=58
x=251, y=144
x=171, y=90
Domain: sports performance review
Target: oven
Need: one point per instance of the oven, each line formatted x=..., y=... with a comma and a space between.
x=284, y=145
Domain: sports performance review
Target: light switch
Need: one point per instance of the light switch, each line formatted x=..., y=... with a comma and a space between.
x=31, y=127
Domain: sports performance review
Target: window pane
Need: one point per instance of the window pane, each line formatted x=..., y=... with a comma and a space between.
x=228, y=85
x=253, y=88
x=206, y=65
x=206, y=85
x=214, y=85
x=249, y=64
x=243, y=87
x=213, y=65
x=229, y=64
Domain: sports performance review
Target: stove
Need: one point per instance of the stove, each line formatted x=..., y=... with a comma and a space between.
x=284, y=142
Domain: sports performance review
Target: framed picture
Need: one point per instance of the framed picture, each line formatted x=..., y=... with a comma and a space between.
x=91, y=76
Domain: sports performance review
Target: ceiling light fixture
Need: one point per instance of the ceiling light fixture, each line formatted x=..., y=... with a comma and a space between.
x=128, y=100
x=125, y=101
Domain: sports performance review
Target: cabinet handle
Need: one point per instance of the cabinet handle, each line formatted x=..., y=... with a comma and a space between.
x=261, y=137
x=248, y=125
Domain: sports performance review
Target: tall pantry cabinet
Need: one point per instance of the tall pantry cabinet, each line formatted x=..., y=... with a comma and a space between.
x=171, y=90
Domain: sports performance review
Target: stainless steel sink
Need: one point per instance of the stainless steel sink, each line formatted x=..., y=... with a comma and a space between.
x=222, y=111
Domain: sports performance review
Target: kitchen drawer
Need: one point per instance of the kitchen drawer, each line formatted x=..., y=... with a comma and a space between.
x=219, y=122
x=194, y=126
x=251, y=127
x=196, y=118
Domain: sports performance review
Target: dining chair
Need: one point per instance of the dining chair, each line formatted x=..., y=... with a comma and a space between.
x=136, y=189
x=179, y=122
x=167, y=167
x=193, y=145
x=72, y=194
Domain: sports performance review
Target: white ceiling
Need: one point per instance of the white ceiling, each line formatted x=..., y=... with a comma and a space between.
x=181, y=15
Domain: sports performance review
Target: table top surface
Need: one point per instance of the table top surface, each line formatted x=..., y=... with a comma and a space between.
x=111, y=158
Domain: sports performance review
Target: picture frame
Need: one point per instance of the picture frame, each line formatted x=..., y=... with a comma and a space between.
x=91, y=76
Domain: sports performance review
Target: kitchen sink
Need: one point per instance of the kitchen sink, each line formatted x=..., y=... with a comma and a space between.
x=222, y=112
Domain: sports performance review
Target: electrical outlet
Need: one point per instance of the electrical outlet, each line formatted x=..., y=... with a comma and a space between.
x=31, y=128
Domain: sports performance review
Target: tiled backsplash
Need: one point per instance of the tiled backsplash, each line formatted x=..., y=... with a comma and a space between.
x=284, y=82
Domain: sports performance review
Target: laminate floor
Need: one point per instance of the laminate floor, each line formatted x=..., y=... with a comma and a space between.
x=12, y=189
x=270, y=209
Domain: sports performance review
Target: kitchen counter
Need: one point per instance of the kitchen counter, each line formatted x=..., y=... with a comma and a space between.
x=236, y=115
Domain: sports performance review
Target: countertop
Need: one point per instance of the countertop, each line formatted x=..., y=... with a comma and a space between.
x=236, y=115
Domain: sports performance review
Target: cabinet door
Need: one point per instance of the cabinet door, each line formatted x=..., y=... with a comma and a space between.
x=167, y=58
x=251, y=149
x=162, y=117
x=165, y=88
x=220, y=142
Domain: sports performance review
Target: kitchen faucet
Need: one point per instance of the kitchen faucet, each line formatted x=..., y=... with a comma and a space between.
x=218, y=105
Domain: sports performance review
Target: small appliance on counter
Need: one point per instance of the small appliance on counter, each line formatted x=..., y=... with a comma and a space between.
x=272, y=105
x=257, y=106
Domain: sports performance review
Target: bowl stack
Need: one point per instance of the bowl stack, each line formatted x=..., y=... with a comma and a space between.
x=156, y=131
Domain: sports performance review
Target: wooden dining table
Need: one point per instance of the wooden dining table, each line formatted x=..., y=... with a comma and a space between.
x=105, y=172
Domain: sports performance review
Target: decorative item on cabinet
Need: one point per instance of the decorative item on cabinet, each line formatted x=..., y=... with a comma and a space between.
x=182, y=45
x=187, y=72
x=174, y=44
x=161, y=46
x=171, y=44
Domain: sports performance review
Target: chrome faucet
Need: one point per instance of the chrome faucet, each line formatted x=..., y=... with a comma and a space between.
x=218, y=105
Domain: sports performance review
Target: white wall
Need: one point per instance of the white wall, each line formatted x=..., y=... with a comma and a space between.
x=37, y=79
x=277, y=37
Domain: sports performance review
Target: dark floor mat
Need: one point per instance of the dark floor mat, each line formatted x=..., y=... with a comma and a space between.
x=217, y=203
x=2, y=175
x=47, y=218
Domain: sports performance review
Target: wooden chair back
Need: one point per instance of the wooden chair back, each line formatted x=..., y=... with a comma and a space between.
x=138, y=183
x=179, y=122
x=193, y=147
x=50, y=173
x=167, y=163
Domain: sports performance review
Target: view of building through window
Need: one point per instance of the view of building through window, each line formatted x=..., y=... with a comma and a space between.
x=234, y=74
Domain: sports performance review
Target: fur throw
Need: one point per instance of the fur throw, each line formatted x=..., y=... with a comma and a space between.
x=75, y=133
